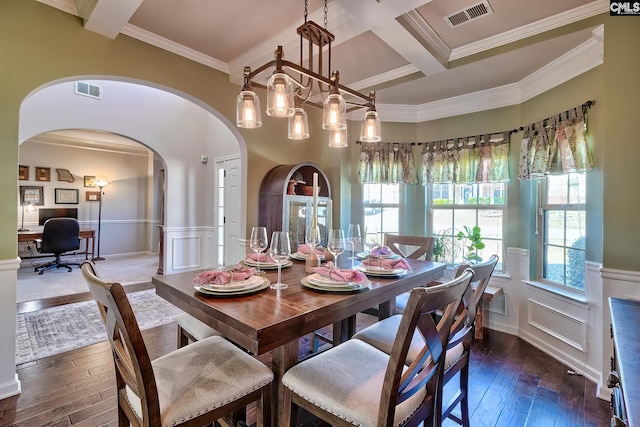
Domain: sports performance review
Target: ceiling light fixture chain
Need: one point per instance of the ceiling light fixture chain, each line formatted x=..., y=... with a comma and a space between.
x=286, y=95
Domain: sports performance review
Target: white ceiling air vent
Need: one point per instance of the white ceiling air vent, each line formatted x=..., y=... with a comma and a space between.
x=88, y=89
x=469, y=13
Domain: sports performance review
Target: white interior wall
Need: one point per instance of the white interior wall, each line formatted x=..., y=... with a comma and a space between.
x=178, y=129
x=126, y=210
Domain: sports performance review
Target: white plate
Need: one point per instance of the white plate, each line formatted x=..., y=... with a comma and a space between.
x=302, y=257
x=354, y=288
x=319, y=280
x=241, y=285
x=364, y=255
x=268, y=265
x=377, y=271
x=209, y=292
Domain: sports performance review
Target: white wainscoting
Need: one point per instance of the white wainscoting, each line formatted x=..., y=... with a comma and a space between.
x=188, y=248
x=569, y=330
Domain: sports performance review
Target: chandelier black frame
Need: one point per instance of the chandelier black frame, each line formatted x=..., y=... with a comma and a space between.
x=286, y=94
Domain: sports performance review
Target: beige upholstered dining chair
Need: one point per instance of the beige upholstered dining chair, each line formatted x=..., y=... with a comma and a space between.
x=192, y=386
x=417, y=247
x=191, y=330
x=354, y=383
x=381, y=335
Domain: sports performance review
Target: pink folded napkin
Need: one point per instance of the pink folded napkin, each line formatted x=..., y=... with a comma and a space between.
x=222, y=277
x=328, y=270
x=261, y=257
x=381, y=251
x=304, y=248
x=387, y=263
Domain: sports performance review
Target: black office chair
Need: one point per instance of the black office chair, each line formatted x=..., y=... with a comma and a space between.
x=59, y=235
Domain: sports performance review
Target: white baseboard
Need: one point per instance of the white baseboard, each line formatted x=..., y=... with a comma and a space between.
x=11, y=388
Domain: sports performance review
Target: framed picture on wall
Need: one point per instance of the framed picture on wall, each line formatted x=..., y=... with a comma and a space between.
x=89, y=181
x=23, y=173
x=67, y=196
x=92, y=196
x=43, y=174
x=31, y=195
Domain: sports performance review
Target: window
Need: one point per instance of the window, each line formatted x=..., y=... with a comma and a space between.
x=381, y=211
x=563, y=224
x=455, y=206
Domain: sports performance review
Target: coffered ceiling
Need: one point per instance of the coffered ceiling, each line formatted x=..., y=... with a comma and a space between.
x=420, y=65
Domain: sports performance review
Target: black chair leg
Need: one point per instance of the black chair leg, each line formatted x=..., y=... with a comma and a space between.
x=57, y=263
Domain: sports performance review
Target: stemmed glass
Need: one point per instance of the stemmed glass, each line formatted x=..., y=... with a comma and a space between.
x=258, y=242
x=280, y=250
x=312, y=237
x=336, y=244
x=354, y=236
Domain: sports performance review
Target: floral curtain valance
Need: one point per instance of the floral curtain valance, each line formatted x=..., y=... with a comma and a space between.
x=387, y=163
x=467, y=160
x=556, y=145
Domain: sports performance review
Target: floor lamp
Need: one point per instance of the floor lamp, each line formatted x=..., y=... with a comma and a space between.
x=29, y=208
x=101, y=185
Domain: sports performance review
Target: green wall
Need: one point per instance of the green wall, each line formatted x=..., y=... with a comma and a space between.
x=39, y=45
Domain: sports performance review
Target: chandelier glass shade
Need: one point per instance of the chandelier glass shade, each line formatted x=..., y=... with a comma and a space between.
x=298, y=125
x=280, y=101
x=338, y=138
x=335, y=112
x=248, y=110
x=293, y=85
x=370, y=128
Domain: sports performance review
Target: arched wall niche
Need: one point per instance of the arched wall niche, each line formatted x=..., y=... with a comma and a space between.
x=178, y=128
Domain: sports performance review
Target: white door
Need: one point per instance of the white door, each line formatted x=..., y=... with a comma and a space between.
x=228, y=203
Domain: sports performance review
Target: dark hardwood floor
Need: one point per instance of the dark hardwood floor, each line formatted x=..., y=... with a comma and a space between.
x=511, y=384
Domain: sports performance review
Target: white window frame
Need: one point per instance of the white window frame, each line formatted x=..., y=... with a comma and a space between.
x=543, y=207
x=366, y=205
x=457, y=257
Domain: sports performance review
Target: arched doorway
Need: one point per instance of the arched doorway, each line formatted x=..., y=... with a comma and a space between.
x=179, y=129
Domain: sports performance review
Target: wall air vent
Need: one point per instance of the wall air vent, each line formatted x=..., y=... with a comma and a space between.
x=469, y=13
x=88, y=89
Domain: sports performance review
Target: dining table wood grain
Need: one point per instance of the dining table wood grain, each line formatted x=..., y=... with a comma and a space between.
x=273, y=320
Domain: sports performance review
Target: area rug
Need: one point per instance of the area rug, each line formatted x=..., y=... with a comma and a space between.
x=59, y=329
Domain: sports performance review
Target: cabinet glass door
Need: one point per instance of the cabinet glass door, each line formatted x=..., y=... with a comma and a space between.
x=298, y=212
x=297, y=224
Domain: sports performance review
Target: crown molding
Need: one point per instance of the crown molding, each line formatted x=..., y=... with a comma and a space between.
x=583, y=58
x=68, y=6
x=173, y=47
x=538, y=27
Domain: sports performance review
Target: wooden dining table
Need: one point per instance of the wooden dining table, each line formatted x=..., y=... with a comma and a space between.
x=273, y=320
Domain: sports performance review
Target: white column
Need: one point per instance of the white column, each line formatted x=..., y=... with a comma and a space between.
x=9, y=383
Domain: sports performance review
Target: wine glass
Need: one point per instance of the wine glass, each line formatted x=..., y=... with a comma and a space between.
x=312, y=237
x=258, y=242
x=336, y=244
x=280, y=250
x=354, y=236
x=371, y=240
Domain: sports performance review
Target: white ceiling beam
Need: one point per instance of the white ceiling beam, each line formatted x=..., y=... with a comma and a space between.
x=106, y=17
x=380, y=18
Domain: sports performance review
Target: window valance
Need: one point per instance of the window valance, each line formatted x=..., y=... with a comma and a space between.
x=556, y=145
x=387, y=163
x=475, y=159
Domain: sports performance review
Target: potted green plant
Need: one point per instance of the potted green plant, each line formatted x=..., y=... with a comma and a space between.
x=472, y=243
x=442, y=246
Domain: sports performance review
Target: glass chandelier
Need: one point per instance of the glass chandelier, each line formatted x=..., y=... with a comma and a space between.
x=286, y=95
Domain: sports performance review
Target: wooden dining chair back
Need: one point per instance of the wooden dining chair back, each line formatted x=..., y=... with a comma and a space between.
x=355, y=383
x=191, y=386
x=461, y=338
x=415, y=247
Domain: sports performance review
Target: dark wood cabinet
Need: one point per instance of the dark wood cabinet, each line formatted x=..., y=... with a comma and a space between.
x=286, y=203
x=625, y=363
